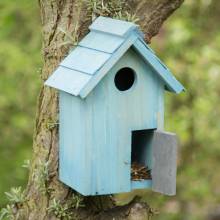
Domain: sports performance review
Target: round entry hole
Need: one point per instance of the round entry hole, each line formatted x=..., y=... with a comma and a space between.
x=124, y=79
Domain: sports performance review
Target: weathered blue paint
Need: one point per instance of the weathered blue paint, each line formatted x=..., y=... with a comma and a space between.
x=96, y=158
x=68, y=80
x=79, y=58
x=143, y=184
x=160, y=68
x=114, y=27
x=98, y=52
x=94, y=40
x=97, y=121
x=108, y=65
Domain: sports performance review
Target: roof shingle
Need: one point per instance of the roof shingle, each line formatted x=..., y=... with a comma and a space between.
x=98, y=52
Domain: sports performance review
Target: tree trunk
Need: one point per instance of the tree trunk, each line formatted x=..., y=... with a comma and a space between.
x=46, y=197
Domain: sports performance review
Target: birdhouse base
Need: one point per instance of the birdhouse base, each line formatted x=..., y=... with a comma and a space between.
x=142, y=184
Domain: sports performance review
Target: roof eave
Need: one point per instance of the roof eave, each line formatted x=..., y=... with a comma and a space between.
x=108, y=65
x=176, y=90
x=172, y=84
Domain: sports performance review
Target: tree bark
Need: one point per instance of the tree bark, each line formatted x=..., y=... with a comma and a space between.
x=60, y=19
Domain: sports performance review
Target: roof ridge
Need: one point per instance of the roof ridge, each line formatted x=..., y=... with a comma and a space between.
x=114, y=26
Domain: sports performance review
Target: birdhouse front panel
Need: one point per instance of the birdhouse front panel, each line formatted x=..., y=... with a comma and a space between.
x=112, y=113
x=111, y=119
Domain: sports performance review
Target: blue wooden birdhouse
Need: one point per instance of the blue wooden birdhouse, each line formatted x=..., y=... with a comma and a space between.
x=111, y=113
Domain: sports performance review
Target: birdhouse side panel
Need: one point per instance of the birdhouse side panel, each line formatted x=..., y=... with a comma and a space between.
x=74, y=156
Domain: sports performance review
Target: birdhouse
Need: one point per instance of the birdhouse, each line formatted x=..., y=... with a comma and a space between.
x=111, y=113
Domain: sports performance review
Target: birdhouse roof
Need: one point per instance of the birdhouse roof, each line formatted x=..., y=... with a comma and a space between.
x=98, y=52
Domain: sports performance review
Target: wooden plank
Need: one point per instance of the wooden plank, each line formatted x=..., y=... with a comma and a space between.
x=159, y=67
x=74, y=163
x=144, y=184
x=102, y=42
x=108, y=65
x=112, y=116
x=112, y=174
x=95, y=135
x=164, y=163
x=112, y=26
x=68, y=80
x=160, y=112
x=85, y=60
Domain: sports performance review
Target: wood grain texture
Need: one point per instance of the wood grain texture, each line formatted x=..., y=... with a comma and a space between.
x=68, y=15
x=102, y=42
x=68, y=80
x=164, y=163
x=115, y=27
x=85, y=60
x=108, y=65
x=144, y=184
x=90, y=59
x=96, y=132
x=172, y=84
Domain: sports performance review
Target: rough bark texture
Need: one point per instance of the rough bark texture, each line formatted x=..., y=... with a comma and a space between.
x=43, y=186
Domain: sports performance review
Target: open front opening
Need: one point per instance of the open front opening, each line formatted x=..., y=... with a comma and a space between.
x=141, y=155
